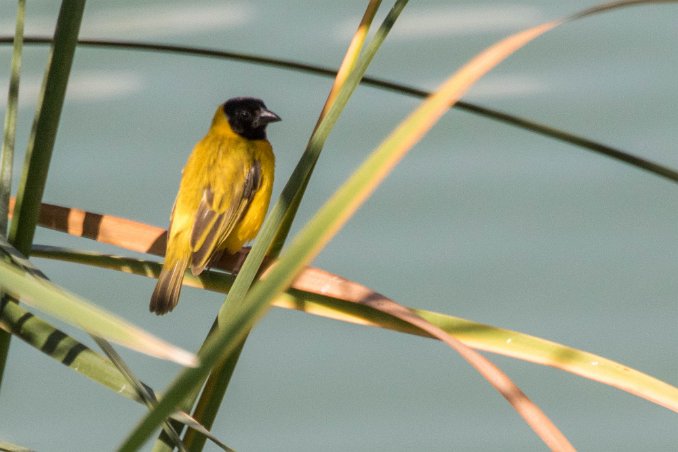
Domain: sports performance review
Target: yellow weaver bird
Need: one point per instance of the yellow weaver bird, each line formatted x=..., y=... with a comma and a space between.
x=223, y=195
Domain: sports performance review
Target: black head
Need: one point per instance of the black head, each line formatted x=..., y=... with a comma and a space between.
x=248, y=117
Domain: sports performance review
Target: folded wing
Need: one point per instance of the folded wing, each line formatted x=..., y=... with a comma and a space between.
x=217, y=216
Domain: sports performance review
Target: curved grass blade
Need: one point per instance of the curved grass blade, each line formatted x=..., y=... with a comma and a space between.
x=146, y=396
x=351, y=57
x=53, y=337
x=318, y=292
x=63, y=348
x=121, y=232
x=321, y=293
x=74, y=310
x=348, y=65
x=42, y=136
x=545, y=130
x=510, y=119
x=211, y=399
x=9, y=134
x=9, y=447
x=296, y=186
x=7, y=158
x=20, y=260
x=66, y=350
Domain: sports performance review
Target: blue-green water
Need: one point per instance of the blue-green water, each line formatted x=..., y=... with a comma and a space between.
x=481, y=220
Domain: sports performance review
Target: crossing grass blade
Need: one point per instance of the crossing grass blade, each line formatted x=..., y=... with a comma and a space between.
x=66, y=350
x=58, y=345
x=68, y=307
x=9, y=447
x=346, y=81
x=7, y=157
x=380, y=83
x=9, y=131
x=320, y=293
x=41, y=140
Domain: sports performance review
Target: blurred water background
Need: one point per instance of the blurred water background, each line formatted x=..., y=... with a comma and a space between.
x=481, y=220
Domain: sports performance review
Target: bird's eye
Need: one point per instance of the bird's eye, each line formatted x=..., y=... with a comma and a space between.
x=244, y=115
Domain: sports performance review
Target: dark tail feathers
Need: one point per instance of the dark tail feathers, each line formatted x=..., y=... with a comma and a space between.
x=166, y=294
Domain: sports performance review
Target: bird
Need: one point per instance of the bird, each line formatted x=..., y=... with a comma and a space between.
x=223, y=195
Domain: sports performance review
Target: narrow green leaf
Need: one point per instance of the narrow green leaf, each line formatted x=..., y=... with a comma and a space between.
x=10, y=118
x=66, y=350
x=527, y=124
x=42, y=137
x=296, y=186
x=63, y=348
x=379, y=83
x=20, y=260
x=211, y=399
x=329, y=297
x=74, y=310
x=45, y=125
x=146, y=396
x=9, y=447
x=7, y=158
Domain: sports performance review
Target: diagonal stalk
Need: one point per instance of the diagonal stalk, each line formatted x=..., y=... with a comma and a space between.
x=45, y=125
x=510, y=119
x=347, y=80
x=10, y=118
x=41, y=141
x=7, y=162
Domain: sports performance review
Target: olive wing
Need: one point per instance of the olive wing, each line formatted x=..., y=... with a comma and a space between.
x=218, y=214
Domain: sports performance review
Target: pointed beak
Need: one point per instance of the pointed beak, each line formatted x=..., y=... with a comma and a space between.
x=264, y=117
